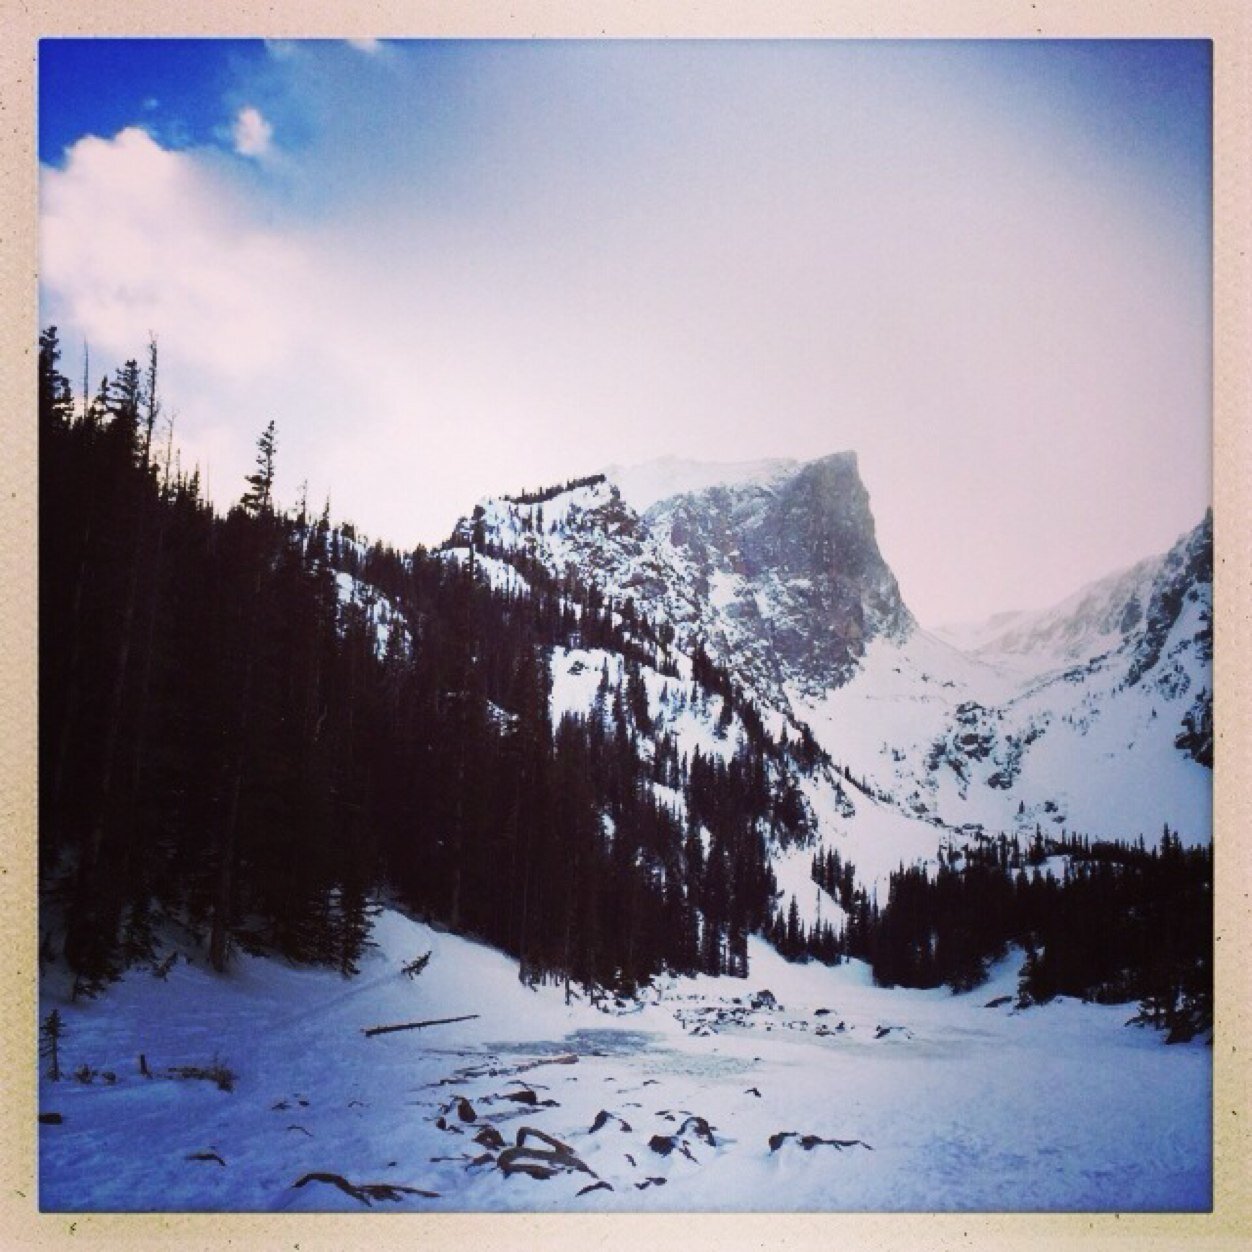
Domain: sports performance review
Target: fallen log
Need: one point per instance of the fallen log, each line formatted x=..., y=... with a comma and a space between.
x=366, y=1192
x=438, y=1021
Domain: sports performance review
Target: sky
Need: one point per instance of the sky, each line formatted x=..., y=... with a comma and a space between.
x=454, y=269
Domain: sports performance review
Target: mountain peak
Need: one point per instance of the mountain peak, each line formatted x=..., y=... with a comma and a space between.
x=772, y=566
x=793, y=559
x=834, y=462
x=650, y=482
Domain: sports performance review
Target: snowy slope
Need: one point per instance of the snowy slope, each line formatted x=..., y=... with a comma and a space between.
x=825, y=1093
x=499, y=574
x=1092, y=621
x=379, y=611
x=1093, y=716
x=875, y=835
x=698, y=1097
x=694, y=720
x=1021, y=733
x=1084, y=753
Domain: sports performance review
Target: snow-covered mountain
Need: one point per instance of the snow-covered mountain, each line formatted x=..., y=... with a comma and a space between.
x=1094, y=715
x=734, y=688
x=1092, y=620
x=776, y=573
x=650, y=482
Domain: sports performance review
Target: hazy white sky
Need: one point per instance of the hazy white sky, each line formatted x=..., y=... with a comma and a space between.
x=449, y=270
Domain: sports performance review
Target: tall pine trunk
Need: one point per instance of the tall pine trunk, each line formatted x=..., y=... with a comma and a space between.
x=69, y=715
x=219, y=926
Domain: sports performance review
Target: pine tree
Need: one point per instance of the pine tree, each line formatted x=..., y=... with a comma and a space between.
x=152, y=403
x=56, y=401
x=251, y=546
x=124, y=401
x=257, y=500
x=795, y=933
x=51, y=1032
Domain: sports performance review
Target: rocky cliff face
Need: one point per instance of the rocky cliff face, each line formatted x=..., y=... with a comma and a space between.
x=778, y=578
x=1173, y=651
x=795, y=565
x=1179, y=614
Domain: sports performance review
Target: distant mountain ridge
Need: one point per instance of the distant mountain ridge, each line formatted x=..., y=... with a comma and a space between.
x=1105, y=727
x=1092, y=619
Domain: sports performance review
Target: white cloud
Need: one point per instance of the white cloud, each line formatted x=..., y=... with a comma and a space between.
x=366, y=45
x=137, y=238
x=257, y=322
x=134, y=235
x=252, y=133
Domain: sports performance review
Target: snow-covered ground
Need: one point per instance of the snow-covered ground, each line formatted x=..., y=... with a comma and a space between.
x=829, y=1094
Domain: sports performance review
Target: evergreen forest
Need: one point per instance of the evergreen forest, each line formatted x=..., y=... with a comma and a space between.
x=255, y=728
x=232, y=747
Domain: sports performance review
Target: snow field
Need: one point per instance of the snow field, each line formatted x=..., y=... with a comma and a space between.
x=928, y=1100
x=1105, y=762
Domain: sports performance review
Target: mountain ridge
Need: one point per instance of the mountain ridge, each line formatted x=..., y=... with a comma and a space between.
x=649, y=482
x=781, y=578
x=777, y=576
